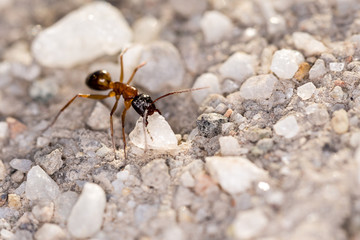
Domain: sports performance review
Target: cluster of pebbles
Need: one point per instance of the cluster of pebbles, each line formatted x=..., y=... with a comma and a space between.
x=269, y=149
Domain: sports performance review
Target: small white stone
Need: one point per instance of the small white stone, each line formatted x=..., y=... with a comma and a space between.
x=287, y=127
x=229, y=146
x=39, y=186
x=208, y=80
x=187, y=179
x=94, y=30
x=306, y=91
x=285, y=63
x=4, y=130
x=99, y=117
x=336, y=67
x=234, y=174
x=2, y=171
x=164, y=67
x=43, y=211
x=156, y=174
x=338, y=94
x=50, y=231
x=146, y=29
x=317, y=114
x=159, y=134
x=215, y=26
x=86, y=217
x=318, y=70
x=307, y=43
x=183, y=7
x=238, y=67
x=249, y=224
x=23, y=165
x=340, y=121
x=6, y=234
x=258, y=87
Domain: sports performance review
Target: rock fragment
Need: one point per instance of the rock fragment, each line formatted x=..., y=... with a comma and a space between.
x=39, y=186
x=234, y=174
x=340, y=121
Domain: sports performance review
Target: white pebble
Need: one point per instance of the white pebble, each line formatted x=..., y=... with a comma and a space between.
x=215, y=26
x=238, y=67
x=249, y=224
x=6, y=234
x=306, y=91
x=258, y=87
x=183, y=7
x=307, y=43
x=318, y=70
x=4, y=130
x=229, y=146
x=208, y=80
x=50, y=231
x=285, y=63
x=39, y=186
x=338, y=94
x=146, y=29
x=287, y=127
x=187, y=179
x=159, y=134
x=2, y=171
x=336, y=67
x=99, y=117
x=340, y=121
x=164, y=67
x=94, y=30
x=23, y=165
x=234, y=174
x=317, y=114
x=86, y=217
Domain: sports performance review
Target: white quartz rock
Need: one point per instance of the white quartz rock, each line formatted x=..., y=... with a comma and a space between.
x=249, y=224
x=215, y=26
x=307, y=43
x=234, y=174
x=285, y=63
x=258, y=87
x=86, y=217
x=238, y=67
x=306, y=91
x=94, y=30
x=287, y=127
x=211, y=84
x=39, y=186
x=159, y=134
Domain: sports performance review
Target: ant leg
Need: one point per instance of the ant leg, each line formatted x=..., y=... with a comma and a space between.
x=91, y=96
x=127, y=104
x=135, y=70
x=122, y=65
x=111, y=123
x=145, y=123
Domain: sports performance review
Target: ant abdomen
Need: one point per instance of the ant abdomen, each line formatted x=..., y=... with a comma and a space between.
x=99, y=80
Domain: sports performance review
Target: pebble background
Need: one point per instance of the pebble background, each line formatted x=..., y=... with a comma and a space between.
x=270, y=150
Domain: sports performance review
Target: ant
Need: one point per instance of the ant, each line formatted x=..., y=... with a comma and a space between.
x=142, y=103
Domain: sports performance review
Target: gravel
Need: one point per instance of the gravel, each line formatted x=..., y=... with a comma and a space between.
x=269, y=150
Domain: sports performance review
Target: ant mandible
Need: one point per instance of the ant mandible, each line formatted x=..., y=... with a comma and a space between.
x=142, y=103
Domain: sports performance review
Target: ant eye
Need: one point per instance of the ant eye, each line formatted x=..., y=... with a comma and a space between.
x=99, y=80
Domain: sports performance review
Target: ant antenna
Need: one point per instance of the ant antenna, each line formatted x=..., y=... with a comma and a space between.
x=180, y=91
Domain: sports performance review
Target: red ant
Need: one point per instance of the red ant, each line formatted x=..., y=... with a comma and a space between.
x=142, y=103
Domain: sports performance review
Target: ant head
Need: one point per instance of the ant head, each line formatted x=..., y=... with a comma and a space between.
x=99, y=80
x=143, y=102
